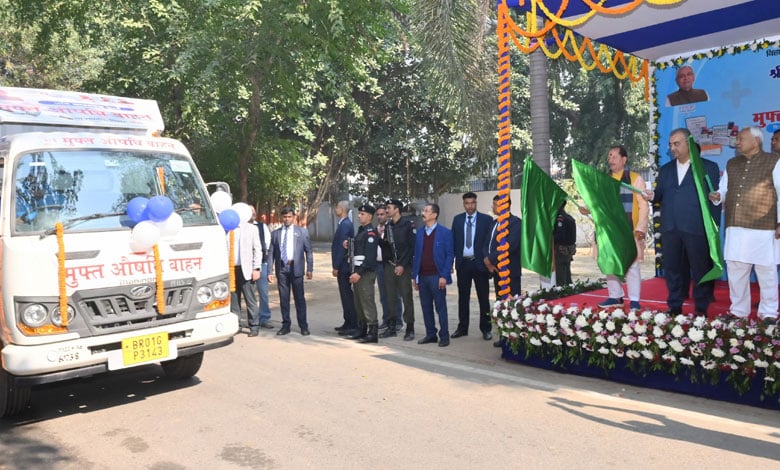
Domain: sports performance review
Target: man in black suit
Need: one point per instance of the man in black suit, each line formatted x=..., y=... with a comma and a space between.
x=686, y=252
x=471, y=230
x=290, y=249
x=513, y=240
x=341, y=268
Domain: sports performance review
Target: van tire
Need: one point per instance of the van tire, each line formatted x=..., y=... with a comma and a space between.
x=13, y=399
x=183, y=367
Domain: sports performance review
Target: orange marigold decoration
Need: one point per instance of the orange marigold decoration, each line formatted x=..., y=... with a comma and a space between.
x=158, y=275
x=60, y=231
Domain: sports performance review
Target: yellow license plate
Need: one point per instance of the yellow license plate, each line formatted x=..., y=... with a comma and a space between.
x=145, y=348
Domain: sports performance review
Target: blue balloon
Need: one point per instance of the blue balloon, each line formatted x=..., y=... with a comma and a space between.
x=136, y=209
x=159, y=208
x=229, y=219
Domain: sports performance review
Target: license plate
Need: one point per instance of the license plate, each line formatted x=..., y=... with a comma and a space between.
x=147, y=348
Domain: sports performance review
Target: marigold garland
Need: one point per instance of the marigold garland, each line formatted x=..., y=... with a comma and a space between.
x=60, y=230
x=504, y=153
x=231, y=271
x=158, y=275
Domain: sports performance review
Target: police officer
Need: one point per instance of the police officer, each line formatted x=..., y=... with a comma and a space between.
x=363, y=276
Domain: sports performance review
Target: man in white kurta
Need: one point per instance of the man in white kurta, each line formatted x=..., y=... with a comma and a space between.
x=750, y=191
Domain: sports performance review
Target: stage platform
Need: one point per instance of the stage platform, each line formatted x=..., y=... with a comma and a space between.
x=654, y=294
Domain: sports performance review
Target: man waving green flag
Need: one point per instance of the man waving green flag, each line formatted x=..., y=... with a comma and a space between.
x=614, y=233
x=541, y=198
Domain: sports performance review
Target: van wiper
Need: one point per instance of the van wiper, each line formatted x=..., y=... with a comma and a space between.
x=77, y=220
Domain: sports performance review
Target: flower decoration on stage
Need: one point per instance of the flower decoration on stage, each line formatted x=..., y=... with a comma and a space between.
x=648, y=340
x=154, y=219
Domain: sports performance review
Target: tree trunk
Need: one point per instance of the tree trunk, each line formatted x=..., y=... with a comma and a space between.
x=249, y=136
x=540, y=110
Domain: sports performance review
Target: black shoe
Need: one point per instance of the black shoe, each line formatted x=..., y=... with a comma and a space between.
x=409, y=336
x=253, y=332
x=371, y=336
x=267, y=325
x=766, y=322
x=498, y=344
x=383, y=326
x=283, y=331
x=305, y=332
x=399, y=327
x=341, y=328
x=487, y=336
x=459, y=333
x=444, y=343
x=360, y=333
x=674, y=311
x=390, y=331
x=428, y=339
x=348, y=332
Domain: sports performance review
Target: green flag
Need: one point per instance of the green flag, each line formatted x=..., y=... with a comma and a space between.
x=540, y=199
x=614, y=232
x=710, y=228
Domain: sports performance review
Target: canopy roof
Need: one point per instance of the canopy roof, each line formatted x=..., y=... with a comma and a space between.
x=655, y=31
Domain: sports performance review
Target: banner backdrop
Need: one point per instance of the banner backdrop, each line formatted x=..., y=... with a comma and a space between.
x=734, y=88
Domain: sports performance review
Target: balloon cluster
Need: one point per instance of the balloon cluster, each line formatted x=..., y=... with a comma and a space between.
x=230, y=216
x=154, y=220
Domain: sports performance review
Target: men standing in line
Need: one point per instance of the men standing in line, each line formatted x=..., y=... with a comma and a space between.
x=290, y=249
x=684, y=240
x=341, y=268
x=364, y=277
x=564, y=245
x=636, y=209
x=381, y=224
x=750, y=189
x=491, y=250
x=433, y=256
x=471, y=230
x=264, y=308
x=397, y=251
x=247, y=263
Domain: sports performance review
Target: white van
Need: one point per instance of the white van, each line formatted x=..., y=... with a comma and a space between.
x=71, y=162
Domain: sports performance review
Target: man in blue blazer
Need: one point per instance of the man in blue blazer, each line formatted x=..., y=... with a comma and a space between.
x=341, y=268
x=431, y=268
x=470, y=232
x=290, y=249
x=686, y=253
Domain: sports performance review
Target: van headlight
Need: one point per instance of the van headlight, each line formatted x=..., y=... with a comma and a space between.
x=56, y=316
x=220, y=290
x=204, y=294
x=34, y=315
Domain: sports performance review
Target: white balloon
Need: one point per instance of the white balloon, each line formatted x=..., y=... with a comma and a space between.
x=243, y=210
x=221, y=200
x=138, y=248
x=171, y=226
x=145, y=234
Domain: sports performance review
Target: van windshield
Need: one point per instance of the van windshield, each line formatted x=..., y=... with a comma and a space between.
x=59, y=186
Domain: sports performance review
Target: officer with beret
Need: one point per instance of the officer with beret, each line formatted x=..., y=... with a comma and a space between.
x=363, y=276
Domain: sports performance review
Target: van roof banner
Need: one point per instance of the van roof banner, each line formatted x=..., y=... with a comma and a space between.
x=75, y=109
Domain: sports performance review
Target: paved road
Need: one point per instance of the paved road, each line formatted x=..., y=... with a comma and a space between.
x=324, y=402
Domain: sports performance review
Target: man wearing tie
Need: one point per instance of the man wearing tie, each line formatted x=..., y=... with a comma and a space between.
x=341, y=269
x=471, y=230
x=289, y=244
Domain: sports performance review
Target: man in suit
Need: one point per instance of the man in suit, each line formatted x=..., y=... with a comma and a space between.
x=431, y=272
x=491, y=250
x=290, y=249
x=247, y=265
x=686, y=252
x=341, y=269
x=470, y=231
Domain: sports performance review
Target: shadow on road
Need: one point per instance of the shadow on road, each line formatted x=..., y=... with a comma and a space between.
x=655, y=424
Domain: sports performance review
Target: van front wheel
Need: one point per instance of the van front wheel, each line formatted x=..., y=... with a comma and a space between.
x=183, y=367
x=13, y=399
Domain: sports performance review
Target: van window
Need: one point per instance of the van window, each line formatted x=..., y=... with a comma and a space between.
x=59, y=186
